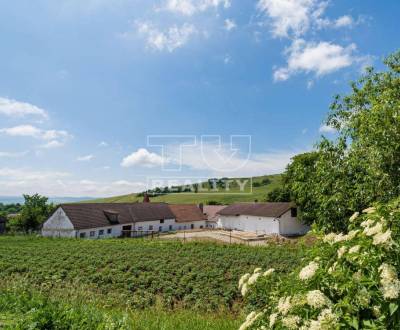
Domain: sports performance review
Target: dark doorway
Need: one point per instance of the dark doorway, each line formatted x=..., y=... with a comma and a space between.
x=126, y=231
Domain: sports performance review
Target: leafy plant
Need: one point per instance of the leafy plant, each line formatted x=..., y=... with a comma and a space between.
x=347, y=281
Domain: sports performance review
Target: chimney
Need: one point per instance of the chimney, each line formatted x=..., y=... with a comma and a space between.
x=146, y=198
x=201, y=207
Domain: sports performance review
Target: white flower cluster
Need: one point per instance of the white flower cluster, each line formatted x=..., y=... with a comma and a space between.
x=317, y=299
x=291, y=322
x=243, y=284
x=248, y=279
x=389, y=281
x=369, y=210
x=326, y=320
x=308, y=271
x=333, y=238
x=354, y=216
x=375, y=230
x=342, y=250
x=250, y=319
x=284, y=305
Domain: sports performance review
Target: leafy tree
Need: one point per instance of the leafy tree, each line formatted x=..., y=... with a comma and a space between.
x=265, y=181
x=280, y=194
x=35, y=211
x=362, y=165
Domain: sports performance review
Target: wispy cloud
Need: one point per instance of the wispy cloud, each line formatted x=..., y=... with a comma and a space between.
x=85, y=158
x=229, y=24
x=53, y=138
x=7, y=154
x=13, y=108
x=191, y=7
x=168, y=39
x=14, y=181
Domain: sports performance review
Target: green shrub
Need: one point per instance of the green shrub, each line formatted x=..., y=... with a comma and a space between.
x=347, y=281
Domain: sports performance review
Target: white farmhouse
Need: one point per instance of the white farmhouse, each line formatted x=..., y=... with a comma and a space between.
x=99, y=220
x=262, y=219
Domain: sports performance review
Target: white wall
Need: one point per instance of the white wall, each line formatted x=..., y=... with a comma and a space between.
x=285, y=225
x=116, y=230
x=188, y=225
x=292, y=226
x=58, y=225
x=259, y=225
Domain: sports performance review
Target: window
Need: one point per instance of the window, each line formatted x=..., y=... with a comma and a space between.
x=109, y=230
x=162, y=221
x=192, y=226
x=150, y=227
x=92, y=233
x=184, y=227
x=101, y=232
x=160, y=228
x=82, y=235
x=201, y=227
x=170, y=227
x=293, y=212
x=140, y=228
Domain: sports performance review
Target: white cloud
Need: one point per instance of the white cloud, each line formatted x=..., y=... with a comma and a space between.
x=290, y=16
x=190, y=7
x=293, y=18
x=221, y=160
x=345, y=20
x=142, y=157
x=52, y=144
x=86, y=158
x=103, y=144
x=327, y=129
x=229, y=24
x=319, y=58
x=13, y=108
x=6, y=154
x=172, y=38
x=53, y=138
x=37, y=133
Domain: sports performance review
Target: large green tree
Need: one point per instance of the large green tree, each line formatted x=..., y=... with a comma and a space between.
x=362, y=165
x=35, y=211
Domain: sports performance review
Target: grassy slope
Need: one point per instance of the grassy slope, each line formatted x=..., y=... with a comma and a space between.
x=258, y=193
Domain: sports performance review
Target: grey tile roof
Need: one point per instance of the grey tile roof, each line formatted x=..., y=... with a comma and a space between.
x=273, y=210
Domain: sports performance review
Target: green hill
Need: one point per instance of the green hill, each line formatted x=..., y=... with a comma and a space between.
x=259, y=192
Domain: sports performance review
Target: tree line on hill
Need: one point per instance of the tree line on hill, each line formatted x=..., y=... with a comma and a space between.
x=361, y=165
x=213, y=184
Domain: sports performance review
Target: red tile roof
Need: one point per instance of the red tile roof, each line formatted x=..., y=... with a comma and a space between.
x=187, y=212
x=211, y=211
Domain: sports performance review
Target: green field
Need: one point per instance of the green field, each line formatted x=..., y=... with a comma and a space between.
x=258, y=193
x=174, y=284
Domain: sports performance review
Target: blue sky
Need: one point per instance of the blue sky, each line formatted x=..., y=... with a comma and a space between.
x=84, y=83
